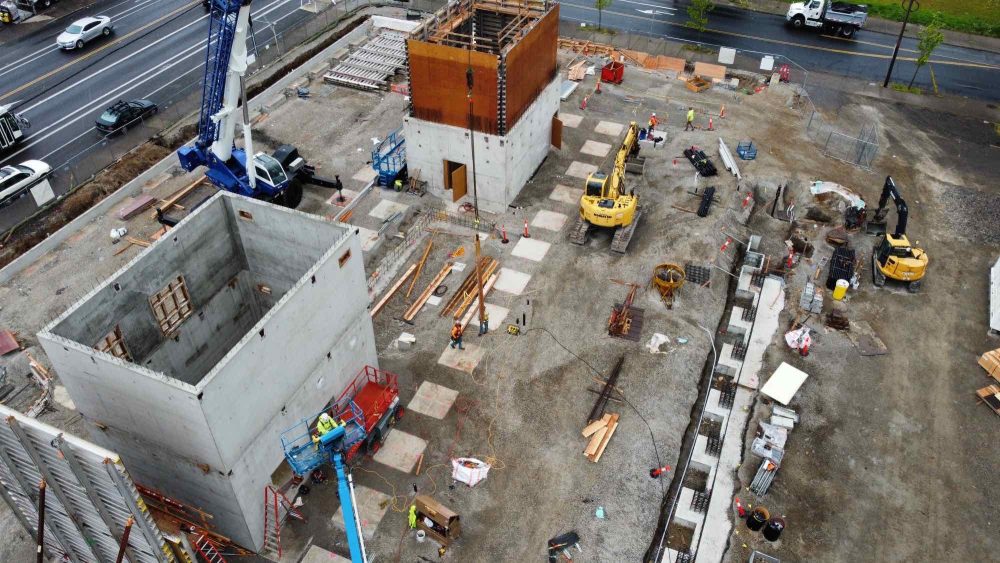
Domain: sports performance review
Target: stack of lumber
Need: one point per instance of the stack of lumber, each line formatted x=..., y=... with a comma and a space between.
x=991, y=363
x=586, y=47
x=599, y=432
x=654, y=62
x=466, y=292
x=710, y=71
x=419, y=303
x=577, y=71
x=474, y=306
x=392, y=291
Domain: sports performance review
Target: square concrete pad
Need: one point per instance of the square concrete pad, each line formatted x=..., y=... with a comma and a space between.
x=463, y=360
x=549, y=220
x=497, y=315
x=609, y=128
x=368, y=238
x=369, y=511
x=401, y=450
x=570, y=120
x=365, y=174
x=581, y=169
x=511, y=281
x=566, y=194
x=386, y=208
x=530, y=248
x=317, y=554
x=433, y=400
x=433, y=300
x=595, y=148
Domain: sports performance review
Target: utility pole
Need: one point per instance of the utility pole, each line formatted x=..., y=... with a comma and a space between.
x=892, y=62
x=475, y=194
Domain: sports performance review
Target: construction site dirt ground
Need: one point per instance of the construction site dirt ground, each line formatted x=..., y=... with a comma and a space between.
x=893, y=442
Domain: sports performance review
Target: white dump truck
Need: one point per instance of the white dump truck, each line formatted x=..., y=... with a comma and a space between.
x=840, y=18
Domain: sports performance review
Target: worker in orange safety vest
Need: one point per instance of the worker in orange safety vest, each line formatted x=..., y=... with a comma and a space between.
x=456, y=336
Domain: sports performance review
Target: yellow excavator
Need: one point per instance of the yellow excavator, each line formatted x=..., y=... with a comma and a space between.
x=606, y=204
x=894, y=257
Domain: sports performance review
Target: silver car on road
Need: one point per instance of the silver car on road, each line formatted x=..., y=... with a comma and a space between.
x=82, y=31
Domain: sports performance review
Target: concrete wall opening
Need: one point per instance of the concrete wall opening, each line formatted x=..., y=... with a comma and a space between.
x=455, y=179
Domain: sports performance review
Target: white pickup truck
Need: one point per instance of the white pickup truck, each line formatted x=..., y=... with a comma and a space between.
x=840, y=18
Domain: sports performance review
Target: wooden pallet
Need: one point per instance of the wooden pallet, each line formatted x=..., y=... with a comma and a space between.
x=697, y=84
x=990, y=361
x=991, y=396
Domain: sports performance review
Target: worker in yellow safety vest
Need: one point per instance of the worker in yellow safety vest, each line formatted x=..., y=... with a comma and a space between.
x=413, y=516
x=690, y=120
x=326, y=424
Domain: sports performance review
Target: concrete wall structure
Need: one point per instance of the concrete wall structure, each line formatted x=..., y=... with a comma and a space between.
x=510, y=47
x=279, y=326
x=504, y=164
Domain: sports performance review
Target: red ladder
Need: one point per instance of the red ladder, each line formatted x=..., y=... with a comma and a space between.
x=208, y=549
x=277, y=507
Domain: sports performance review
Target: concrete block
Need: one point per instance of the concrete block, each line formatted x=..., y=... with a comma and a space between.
x=549, y=220
x=401, y=450
x=434, y=300
x=365, y=174
x=566, y=194
x=433, y=400
x=570, y=120
x=512, y=281
x=737, y=326
x=341, y=54
x=372, y=506
x=579, y=169
x=462, y=360
x=531, y=249
x=405, y=341
x=609, y=128
x=387, y=208
x=596, y=148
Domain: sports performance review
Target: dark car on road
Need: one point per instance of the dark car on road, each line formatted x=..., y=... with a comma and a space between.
x=120, y=116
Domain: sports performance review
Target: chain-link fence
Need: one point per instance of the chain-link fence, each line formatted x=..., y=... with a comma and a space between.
x=752, y=67
x=275, y=40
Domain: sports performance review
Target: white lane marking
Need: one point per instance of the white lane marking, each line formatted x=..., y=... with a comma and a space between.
x=194, y=50
x=271, y=6
x=657, y=6
x=6, y=69
x=654, y=12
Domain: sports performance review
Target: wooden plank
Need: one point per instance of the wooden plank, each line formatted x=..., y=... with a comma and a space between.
x=595, y=441
x=419, y=303
x=135, y=206
x=475, y=308
x=612, y=426
x=138, y=242
x=473, y=293
x=180, y=194
x=392, y=291
x=420, y=268
x=596, y=425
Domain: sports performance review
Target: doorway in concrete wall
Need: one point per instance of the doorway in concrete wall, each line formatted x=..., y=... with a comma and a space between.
x=454, y=179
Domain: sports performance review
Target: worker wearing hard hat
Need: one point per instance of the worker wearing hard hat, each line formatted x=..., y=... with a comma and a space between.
x=412, y=517
x=326, y=424
x=689, y=126
x=456, y=336
x=653, y=122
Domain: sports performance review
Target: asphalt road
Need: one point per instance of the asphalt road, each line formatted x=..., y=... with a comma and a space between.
x=958, y=70
x=157, y=52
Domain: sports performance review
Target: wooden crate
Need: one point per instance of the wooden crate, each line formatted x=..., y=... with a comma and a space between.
x=990, y=361
x=697, y=84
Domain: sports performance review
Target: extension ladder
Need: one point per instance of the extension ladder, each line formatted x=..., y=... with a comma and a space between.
x=277, y=507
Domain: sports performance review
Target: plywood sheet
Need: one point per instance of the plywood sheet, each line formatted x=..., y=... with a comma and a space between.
x=784, y=383
x=531, y=65
x=438, y=88
x=710, y=71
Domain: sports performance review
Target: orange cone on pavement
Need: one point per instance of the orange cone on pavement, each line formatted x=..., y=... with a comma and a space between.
x=711, y=126
x=722, y=112
x=526, y=235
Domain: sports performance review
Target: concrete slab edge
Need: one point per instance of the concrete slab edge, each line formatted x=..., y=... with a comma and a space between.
x=135, y=186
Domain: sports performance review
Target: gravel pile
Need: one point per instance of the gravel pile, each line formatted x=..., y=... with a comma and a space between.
x=972, y=213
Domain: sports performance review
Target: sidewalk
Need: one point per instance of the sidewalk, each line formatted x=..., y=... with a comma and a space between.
x=879, y=25
x=9, y=33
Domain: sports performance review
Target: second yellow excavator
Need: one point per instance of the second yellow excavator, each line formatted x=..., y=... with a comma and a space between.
x=606, y=204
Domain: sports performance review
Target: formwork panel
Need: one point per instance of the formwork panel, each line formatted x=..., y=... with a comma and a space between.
x=438, y=90
x=531, y=66
x=89, y=494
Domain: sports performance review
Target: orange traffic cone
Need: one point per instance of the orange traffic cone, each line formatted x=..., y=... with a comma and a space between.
x=526, y=235
x=583, y=103
x=503, y=234
x=598, y=86
x=711, y=126
x=722, y=112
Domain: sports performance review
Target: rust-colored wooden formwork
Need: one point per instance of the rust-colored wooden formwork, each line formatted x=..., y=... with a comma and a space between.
x=438, y=90
x=531, y=66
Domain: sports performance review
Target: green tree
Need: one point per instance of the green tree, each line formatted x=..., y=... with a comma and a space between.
x=929, y=38
x=698, y=14
x=601, y=5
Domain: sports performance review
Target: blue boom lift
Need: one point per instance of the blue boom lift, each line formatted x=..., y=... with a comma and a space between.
x=278, y=177
x=368, y=407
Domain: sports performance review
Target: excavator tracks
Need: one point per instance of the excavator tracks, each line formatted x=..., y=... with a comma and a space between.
x=578, y=232
x=619, y=244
